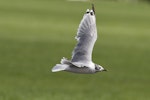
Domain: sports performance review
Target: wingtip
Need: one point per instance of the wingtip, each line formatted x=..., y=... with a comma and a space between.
x=93, y=8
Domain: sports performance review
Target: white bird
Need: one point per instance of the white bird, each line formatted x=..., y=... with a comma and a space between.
x=81, y=61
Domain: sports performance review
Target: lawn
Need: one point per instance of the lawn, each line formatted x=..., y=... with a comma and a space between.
x=36, y=34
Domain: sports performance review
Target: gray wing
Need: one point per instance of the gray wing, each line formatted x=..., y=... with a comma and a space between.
x=86, y=37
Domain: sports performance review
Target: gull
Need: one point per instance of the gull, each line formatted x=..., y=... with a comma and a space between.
x=81, y=61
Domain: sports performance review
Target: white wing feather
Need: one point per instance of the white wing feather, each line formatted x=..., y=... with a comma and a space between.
x=86, y=37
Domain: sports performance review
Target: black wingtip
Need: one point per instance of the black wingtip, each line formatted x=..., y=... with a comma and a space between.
x=93, y=8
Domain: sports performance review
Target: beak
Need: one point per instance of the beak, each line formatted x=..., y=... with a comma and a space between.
x=104, y=70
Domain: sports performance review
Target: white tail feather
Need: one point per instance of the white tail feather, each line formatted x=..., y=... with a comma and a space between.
x=59, y=67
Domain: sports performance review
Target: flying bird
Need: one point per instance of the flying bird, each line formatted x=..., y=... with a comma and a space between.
x=81, y=61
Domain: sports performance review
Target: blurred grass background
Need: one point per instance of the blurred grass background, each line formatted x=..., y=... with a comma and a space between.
x=36, y=34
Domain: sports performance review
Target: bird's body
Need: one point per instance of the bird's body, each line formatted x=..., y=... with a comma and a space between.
x=81, y=61
x=72, y=67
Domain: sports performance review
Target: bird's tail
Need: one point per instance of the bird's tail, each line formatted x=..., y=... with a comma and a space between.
x=59, y=67
x=63, y=66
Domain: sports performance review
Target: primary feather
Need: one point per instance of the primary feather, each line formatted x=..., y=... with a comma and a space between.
x=86, y=37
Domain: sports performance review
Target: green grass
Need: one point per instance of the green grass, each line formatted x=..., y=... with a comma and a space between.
x=36, y=34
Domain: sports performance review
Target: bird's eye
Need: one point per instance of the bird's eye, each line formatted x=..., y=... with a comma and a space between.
x=97, y=68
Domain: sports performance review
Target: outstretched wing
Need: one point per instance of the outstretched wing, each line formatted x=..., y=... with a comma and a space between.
x=86, y=37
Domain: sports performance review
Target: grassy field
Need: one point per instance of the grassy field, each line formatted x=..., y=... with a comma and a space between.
x=36, y=34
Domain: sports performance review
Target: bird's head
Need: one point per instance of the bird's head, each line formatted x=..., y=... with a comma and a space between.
x=99, y=68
